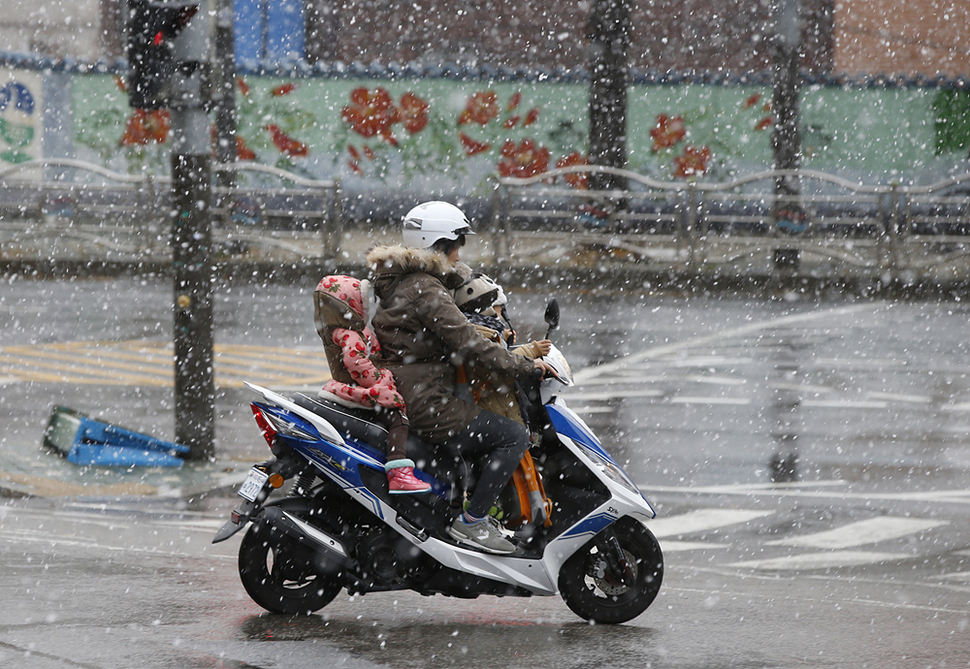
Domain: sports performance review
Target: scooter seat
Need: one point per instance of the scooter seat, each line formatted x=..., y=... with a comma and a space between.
x=358, y=423
x=361, y=424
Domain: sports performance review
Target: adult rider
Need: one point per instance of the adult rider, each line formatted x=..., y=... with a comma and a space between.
x=424, y=337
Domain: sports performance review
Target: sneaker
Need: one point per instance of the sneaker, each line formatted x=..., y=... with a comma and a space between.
x=483, y=534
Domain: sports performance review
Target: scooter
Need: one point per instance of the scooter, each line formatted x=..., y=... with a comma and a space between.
x=338, y=527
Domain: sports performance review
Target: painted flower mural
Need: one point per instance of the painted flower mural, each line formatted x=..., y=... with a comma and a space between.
x=693, y=162
x=753, y=102
x=523, y=160
x=272, y=123
x=146, y=127
x=501, y=126
x=667, y=132
x=286, y=144
x=481, y=108
x=576, y=180
x=371, y=118
x=371, y=113
x=414, y=113
x=472, y=147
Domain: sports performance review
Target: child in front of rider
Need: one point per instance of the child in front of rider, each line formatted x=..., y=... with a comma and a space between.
x=484, y=303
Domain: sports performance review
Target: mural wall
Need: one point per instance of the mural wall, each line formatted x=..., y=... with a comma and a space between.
x=442, y=135
x=21, y=126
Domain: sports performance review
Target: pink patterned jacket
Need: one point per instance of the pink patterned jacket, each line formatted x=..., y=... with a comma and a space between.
x=372, y=385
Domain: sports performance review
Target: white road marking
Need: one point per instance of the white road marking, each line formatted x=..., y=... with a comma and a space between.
x=801, y=490
x=679, y=546
x=618, y=394
x=962, y=577
x=736, y=401
x=718, y=337
x=597, y=409
x=701, y=520
x=843, y=404
x=870, y=531
x=896, y=397
x=829, y=560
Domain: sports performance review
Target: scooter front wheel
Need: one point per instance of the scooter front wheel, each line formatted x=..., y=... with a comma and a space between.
x=277, y=572
x=593, y=592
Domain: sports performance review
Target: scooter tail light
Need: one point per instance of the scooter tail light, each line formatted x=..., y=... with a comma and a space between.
x=265, y=425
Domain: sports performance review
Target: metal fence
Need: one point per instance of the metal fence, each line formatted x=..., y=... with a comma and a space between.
x=64, y=204
x=58, y=206
x=688, y=223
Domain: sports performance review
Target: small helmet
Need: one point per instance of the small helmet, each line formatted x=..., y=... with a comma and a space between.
x=500, y=299
x=431, y=221
x=477, y=294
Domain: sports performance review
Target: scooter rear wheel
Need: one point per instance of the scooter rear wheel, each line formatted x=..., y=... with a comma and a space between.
x=277, y=572
x=593, y=593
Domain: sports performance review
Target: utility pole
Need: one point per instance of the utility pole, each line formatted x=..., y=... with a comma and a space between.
x=192, y=240
x=786, y=142
x=224, y=91
x=168, y=65
x=608, y=30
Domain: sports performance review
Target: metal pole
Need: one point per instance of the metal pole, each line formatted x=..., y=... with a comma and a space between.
x=609, y=32
x=786, y=139
x=192, y=242
x=224, y=92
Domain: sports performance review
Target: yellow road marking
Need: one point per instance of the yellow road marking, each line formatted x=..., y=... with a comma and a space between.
x=151, y=363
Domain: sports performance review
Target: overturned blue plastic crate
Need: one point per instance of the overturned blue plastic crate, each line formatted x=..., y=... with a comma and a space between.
x=86, y=441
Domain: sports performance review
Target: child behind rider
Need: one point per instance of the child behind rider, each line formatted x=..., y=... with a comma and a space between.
x=340, y=317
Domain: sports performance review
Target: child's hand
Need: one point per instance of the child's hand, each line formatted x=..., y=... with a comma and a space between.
x=543, y=347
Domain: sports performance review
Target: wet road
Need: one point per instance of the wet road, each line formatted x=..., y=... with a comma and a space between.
x=809, y=461
x=110, y=585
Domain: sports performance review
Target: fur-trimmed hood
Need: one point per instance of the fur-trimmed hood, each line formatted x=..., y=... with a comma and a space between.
x=388, y=263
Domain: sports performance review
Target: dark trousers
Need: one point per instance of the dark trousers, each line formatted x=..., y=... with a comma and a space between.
x=495, y=444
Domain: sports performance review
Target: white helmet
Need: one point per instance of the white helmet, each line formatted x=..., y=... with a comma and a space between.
x=477, y=294
x=431, y=221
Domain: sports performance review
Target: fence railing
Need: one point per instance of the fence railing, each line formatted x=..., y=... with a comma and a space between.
x=677, y=224
x=129, y=214
x=684, y=223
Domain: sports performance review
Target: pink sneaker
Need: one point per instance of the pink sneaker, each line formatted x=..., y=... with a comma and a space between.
x=401, y=479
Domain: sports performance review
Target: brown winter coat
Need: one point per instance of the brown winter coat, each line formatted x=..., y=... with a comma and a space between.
x=424, y=337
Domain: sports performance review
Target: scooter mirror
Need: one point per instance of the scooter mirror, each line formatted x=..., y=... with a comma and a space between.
x=552, y=315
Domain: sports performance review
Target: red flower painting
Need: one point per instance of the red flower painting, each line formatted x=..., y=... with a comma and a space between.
x=764, y=123
x=692, y=162
x=472, y=146
x=667, y=131
x=578, y=180
x=371, y=113
x=481, y=108
x=523, y=160
x=243, y=152
x=413, y=113
x=286, y=144
x=283, y=89
x=146, y=127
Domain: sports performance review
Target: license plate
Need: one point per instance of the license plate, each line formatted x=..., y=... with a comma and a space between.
x=253, y=484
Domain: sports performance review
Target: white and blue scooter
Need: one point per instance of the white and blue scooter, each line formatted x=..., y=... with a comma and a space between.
x=339, y=527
